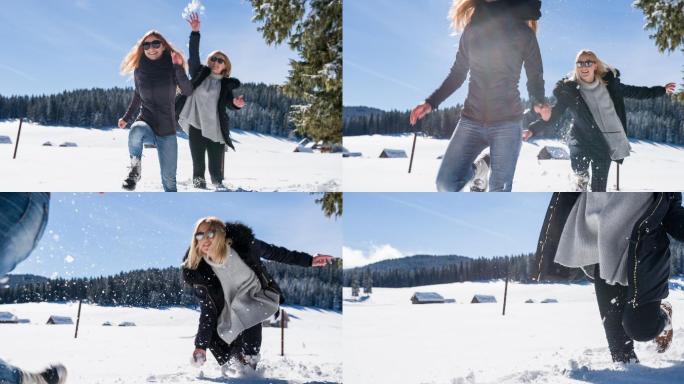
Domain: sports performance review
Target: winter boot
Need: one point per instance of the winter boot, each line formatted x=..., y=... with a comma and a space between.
x=55, y=374
x=133, y=176
x=249, y=361
x=664, y=340
x=481, y=174
x=219, y=187
x=199, y=182
x=581, y=182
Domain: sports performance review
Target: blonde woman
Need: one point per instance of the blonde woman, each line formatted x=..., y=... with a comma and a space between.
x=236, y=292
x=203, y=115
x=498, y=38
x=158, y=71
x=594, y=95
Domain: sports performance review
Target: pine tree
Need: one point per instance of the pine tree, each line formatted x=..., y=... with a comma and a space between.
x=331, y=204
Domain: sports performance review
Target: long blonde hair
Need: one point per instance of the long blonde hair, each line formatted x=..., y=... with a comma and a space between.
x=132, y=60
x=461, y=12
x=601, y=67
x=229, y=66
x=219, y=247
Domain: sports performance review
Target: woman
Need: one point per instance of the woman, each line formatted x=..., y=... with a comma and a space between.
x=203, y=115
x=595, y=96
x=498, y=39
x=236, y=292
x=158, y=70
x=621, y=241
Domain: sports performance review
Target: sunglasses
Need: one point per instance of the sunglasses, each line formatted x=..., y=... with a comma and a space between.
x=585, y=64
x=152, y=44
x=199, y=236
x=217, y=60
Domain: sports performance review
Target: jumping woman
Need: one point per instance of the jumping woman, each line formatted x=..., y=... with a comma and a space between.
x=203, y=115
x=594, y=95
x=236, y=293
x=158, y=71
x=620, y=240
x=498, y=38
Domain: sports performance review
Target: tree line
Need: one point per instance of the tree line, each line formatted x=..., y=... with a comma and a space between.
x=521, y=268
x=314, y=287
x=267, y=110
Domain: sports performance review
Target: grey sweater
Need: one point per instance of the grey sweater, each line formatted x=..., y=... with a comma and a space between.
x=598, y=230
x=603, y=110
x=201, y=109
x=247, y=303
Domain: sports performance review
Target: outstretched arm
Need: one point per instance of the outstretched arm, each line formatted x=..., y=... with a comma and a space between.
x=282, y=255
x=634, y=92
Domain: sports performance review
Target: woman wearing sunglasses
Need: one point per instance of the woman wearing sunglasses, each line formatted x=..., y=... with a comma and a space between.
x=158, y=71
x=203, y=115
x=236, y=292
x=594, y=95
x=498, y=38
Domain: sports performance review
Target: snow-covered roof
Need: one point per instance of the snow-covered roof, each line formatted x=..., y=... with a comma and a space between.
x=483, y=299
x=428, y=297
x=127, y=324
x=549, y=301
x=7, y=317
x=5, y=139
x=60, y=320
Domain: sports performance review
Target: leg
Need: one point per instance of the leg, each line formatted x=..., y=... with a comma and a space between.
x=216, y=153
x=9, y=374
x=644, y=322
x=220, y=349
x=167, y=148
x=505, y=141
x=466, y=143
x=23, y=217
x=580, y=166
x=599, y=174
x=612, y=301
x=197, y=149
x=140, y=134
x=251, y=341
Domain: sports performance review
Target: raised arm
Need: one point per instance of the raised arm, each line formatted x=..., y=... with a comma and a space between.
x=194, y=60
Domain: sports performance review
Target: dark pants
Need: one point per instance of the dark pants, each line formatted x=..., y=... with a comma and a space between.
x=248, y=343
x=580, y=162
x=199, y=146
x=622, y=322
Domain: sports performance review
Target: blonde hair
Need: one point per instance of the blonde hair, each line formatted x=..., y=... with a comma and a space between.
x=461, y=12
x=219, y=247
x=601, y=67
x=229, y=66
x=132, y=60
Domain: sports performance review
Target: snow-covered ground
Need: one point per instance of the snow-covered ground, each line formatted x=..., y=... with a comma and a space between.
x=390, y=340
x=651, y=167
x=159, y=347
x=99, y=163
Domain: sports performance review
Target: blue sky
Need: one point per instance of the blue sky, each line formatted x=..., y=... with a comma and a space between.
x=103, y=234
x=50, y=46
x=396, y=52
x=380, y=226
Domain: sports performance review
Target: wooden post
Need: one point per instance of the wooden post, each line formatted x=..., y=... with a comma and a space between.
x=16, y=145
x=78, y=319
x=282, y=332
x=505, y=290
x=413, y=149
x=618, y=177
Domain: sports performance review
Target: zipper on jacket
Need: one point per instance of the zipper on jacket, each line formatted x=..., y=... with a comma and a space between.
x=546, y=235
x=636, y=247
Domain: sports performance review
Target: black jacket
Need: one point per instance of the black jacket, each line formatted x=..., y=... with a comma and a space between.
x=155, y=90
x=251, y=250
x=649, y=245
x=585, y=134
x=493, y=48
x=199, y=73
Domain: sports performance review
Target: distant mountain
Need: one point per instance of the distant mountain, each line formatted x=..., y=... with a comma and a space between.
x=353, y=112
x=19, y=280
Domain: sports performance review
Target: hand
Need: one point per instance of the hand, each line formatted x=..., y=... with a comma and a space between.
x=527, y=134
x=239, y=101
x=122, y=123
x=321, y=260
x=670, y=88
x=544, y=110
x=194, y=22
x=199, y=357
x=419, y=112
x=176, y=58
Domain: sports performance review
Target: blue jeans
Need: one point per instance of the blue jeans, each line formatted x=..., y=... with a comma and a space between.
x=23, y=217
x=468, y=140
x=167, y=148
x=9, y=374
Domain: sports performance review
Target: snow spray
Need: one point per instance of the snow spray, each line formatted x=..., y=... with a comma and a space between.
x=194, y=6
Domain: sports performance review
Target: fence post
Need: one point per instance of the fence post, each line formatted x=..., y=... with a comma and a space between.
x=413, y=149
x=505, y=289
x=618, y=177
x=78, y=319
x=16, y=145
x=282, y=332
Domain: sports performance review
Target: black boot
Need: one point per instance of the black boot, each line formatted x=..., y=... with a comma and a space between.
x=55, y=374
x=133, y=176
x=199, y=182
